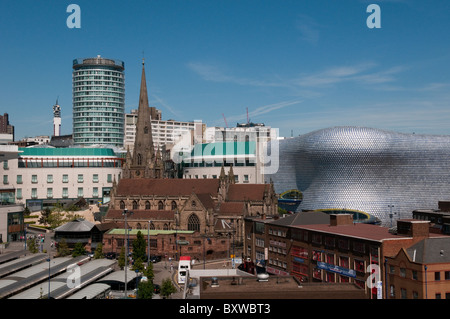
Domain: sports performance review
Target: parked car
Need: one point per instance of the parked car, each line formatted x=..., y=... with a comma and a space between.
x=111, y=255
x=155, y=259
x=156, y=289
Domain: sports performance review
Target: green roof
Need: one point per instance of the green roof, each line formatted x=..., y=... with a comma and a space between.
x=224, y=148
x=71, y=151
x=153, y=232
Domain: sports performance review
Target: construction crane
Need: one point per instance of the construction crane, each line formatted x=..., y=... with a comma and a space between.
x=225, y=120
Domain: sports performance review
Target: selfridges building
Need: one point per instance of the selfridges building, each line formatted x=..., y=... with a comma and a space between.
x=381, y=174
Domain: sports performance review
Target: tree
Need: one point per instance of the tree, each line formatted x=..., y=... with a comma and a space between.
x=121, y=261
x=145, y=289
x=98, y=254
x=138, y=265
x=63, y=249
x=167, y=288
x=139, y=247
x=78, y=250
x=31, y=243
x=45, y=214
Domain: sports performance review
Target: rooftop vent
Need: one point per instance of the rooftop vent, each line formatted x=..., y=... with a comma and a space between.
x=214, y=282
x=262, y=277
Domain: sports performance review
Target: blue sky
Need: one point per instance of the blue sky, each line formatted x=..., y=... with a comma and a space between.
x=296, y=65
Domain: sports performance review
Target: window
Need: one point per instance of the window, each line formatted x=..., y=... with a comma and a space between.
x=80, y=192
x=19, y=179
x=49, y=178
x=19, y=193
x=5, y=179
x=122, y=204
x=403, y=293
x=160, y=205
x=49, y=192
x=245, y=178
x=34, y=179
x=174, y=205
x=80, y=178
x=147, y=204
x=5, y=165
x=95, y=178
x=447, y=275
x=95, y=192
x=109, y=178
x=392, y=291
x=135, y=204
x=65, y=192
x=65, y=178
x=34, y=193
x=414, y=275
x=437, y=276
x=403, y=272
x=193, y=223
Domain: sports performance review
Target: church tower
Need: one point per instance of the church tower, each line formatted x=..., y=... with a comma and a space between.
x=144, y=162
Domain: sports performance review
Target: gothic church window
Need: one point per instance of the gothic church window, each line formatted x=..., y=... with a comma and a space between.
x=122, y=204
x=160, y=205
x=194, y=223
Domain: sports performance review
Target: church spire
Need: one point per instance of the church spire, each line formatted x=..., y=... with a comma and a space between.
x=143, y=151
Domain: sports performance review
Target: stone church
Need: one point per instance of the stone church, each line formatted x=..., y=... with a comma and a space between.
x=204, y=208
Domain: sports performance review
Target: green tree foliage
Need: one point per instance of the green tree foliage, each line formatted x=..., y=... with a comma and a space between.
x=145, y=289
x=98, y=254
x=63, y=249
x=138, y=265
x=121, y=260
x=45, y=214
x=139, y=247
x=167, y=288
x=32, y=247
x=78, y=250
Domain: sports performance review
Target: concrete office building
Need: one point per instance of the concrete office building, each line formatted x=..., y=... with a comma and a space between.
x=45, y=176
x=11, y=213
x=98, y=86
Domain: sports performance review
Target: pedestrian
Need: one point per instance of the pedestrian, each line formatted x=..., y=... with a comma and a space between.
x=171, y=267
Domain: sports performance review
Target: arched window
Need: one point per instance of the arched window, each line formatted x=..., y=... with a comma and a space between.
x=122, y=204
x=174, y=205
x=138, y=226
x=139, y=159
x=160, y=205
x=166, y=227
x=193, y=223
x=147, y=205
x=152, y=226
x=135, y=204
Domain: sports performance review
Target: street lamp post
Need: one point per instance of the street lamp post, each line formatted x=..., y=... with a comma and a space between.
x=390, y=214
x=148, y=242
x=125, y=212
x=48, y=294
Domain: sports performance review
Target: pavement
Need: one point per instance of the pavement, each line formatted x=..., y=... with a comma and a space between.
x=161, y=271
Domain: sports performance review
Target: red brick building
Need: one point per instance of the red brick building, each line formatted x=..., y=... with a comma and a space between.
x=337, y=252
x=421, y=271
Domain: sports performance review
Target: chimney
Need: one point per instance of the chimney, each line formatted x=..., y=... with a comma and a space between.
x=341, y=219
x=414, y=228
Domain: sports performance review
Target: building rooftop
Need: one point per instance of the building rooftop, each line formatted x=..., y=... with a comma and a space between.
x=357, y=230
x=430, y=250
x=71, y=151
x=276, y=287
